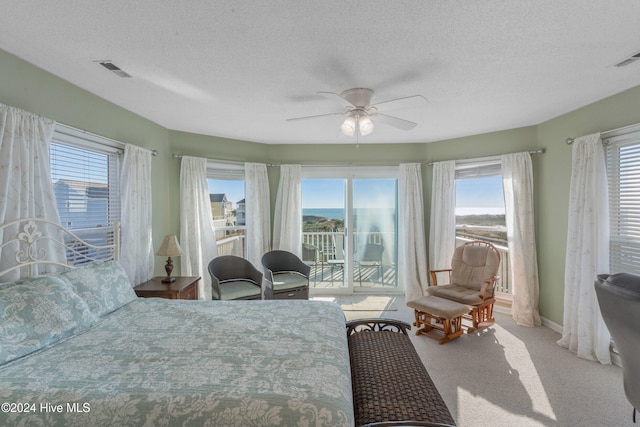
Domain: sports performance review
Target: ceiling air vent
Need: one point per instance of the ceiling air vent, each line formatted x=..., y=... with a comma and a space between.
x=113, y=67
x=627, y=61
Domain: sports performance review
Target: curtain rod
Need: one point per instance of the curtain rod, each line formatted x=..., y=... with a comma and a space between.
x=95, y=135
x=236, y=162
x=540, y=151
x=231, y=162
x=571, y=140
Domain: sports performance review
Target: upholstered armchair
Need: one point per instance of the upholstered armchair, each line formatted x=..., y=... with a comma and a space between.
x=472, y=280
x=619, y=299
x=287, y=276
x=233, y=277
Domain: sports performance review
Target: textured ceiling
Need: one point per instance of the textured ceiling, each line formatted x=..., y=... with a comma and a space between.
x=238, y=69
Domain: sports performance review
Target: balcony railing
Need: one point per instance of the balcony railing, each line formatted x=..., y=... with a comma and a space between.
x=231, y=240
x=327, y=270
x=326, y=259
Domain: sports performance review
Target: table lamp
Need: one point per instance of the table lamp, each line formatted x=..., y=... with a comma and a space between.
x=170, y=247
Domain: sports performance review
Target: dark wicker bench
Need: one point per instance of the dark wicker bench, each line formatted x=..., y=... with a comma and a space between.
x=391, y=386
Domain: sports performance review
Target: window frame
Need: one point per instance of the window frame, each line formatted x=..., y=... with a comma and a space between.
x=231, y=171
x=624, y=249
x=482, y=168
x=349, y=174
x=114, y=150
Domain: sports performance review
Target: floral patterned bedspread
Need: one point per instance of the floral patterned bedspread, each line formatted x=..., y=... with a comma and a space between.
x=158, y=362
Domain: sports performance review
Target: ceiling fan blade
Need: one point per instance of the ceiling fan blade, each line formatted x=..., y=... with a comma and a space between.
x=387, y=103
x=395, y=121
x=316, y=116
x=334, y=95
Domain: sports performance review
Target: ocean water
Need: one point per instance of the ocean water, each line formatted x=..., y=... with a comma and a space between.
x=329, y=213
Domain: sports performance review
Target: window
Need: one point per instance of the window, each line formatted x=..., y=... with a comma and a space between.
x=622, y=149
x=480, y=211
x=227, y=197
x=85, y=172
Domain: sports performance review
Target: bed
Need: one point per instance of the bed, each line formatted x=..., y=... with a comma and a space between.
x=79, y=348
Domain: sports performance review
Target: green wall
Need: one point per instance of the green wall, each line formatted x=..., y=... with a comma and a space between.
x=552, y=183
x=26, y=86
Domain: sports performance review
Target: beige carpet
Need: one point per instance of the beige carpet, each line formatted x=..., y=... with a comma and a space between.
x=512, y=376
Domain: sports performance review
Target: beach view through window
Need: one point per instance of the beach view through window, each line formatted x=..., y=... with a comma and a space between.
x=480, y=212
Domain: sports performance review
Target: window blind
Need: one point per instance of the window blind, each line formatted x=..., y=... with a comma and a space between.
x=466, y=169
x=623, y=170
x=86, y=180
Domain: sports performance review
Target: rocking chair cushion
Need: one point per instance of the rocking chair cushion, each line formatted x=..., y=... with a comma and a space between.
x=460, y=294
x=472, y=265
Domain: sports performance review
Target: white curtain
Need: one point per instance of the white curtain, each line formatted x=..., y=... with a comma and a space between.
x=258, y=216
x=517, y=180
x=287, y=223
x=197, y=235
x=412, y=251
x=26, y=190
x=137, y=257
x=442, y=231
x=584, y=331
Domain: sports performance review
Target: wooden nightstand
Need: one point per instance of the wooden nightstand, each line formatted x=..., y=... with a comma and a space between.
x=182, y=288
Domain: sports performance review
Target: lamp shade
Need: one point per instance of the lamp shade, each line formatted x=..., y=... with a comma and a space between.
x=348, y=127
x=170, y=246
x=366, y=125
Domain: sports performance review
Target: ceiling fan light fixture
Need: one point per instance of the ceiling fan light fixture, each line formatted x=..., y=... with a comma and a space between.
x=366, y=125
x=348, y=127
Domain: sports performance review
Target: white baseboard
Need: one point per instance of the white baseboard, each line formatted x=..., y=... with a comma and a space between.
x=545, y=322
x=551, y=325
x=615, y=357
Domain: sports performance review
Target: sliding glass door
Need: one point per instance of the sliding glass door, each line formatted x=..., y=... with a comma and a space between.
x=374, y=232
x=350, y=229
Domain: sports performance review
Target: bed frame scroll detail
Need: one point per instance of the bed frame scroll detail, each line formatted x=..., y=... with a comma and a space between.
x=29, y=242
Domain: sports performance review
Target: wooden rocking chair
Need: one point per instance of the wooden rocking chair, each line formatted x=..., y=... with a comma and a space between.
x=472, y=281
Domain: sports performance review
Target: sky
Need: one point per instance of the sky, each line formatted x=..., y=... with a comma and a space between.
x=330, y=193
x=480, y=192
x=322, y=193
x=234, y=189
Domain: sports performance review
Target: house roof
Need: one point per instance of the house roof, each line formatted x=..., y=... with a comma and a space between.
x=218, y=198
x=239, y=69
x=89, y=189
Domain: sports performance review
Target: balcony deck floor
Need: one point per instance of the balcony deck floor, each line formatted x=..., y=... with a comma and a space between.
x=332, y=276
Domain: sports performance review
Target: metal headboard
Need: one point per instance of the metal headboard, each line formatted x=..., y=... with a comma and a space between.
x=32, y=242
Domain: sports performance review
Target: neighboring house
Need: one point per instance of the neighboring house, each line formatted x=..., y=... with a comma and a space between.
x=240, y=213
x=221, y=208
x=82, y=204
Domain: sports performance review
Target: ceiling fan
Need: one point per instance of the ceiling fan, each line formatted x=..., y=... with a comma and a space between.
x=361, y=113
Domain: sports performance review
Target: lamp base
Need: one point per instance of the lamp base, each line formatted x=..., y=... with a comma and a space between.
x=168, y=267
